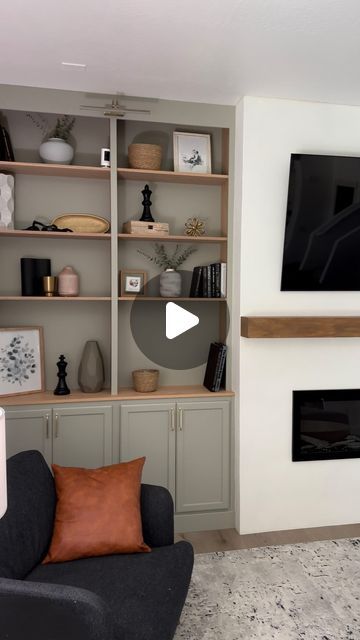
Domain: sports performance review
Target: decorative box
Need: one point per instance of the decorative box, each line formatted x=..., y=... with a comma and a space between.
x=136, y=227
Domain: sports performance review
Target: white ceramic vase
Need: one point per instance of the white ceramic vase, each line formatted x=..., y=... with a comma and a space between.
x=170, y=284
x=56, y=151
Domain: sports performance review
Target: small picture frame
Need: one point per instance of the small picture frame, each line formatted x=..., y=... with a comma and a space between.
x=21, y=360
x=192, y=152
x=132, y=283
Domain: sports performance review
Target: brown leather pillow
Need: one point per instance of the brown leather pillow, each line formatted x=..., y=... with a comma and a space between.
x=97, y=512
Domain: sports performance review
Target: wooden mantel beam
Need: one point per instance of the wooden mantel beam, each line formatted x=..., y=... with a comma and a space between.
x=300, y=326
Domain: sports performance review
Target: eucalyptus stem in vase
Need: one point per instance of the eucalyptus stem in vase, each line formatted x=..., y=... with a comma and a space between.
x=55, y=148
x=170, y=278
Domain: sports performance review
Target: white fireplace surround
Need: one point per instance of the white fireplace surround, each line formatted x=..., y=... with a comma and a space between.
x=274, y=493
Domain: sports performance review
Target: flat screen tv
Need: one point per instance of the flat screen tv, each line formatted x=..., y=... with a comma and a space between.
x=322, y=234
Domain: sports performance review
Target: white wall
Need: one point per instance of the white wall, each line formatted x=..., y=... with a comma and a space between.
x=274, y=492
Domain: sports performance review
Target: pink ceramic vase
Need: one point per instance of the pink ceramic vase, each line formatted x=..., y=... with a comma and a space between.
x=68, y=282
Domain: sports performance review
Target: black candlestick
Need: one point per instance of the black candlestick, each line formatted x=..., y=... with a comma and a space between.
x=62, y=389
x=146, y=216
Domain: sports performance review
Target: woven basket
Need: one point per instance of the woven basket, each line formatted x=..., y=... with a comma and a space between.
x=145, y=156
x=145, y=380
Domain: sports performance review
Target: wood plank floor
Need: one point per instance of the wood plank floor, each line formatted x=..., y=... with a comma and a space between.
x=229, y=539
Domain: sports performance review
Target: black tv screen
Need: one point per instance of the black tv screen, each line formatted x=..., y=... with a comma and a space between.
x=322, y=234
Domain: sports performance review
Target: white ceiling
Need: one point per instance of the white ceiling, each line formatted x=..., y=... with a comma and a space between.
x=198, y=50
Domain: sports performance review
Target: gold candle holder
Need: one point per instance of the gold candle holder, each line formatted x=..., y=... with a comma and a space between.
x=49, y=285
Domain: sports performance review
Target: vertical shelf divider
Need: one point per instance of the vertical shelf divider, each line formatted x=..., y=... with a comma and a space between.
x=224, y=226
x=114, y=256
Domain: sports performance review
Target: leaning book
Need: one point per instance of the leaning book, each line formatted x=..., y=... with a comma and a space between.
x=214, y=374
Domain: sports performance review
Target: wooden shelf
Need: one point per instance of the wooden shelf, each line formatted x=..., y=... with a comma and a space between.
x=184, y=239
x=171, y=176
x=18, y=233
x=60, y=170
x=300, y=327
x=103, y=173
x=125, y=393
x=159, y=298
x=55, y=298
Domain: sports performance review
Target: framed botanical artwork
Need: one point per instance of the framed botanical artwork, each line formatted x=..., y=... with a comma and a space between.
x=133, y=283
x=21, y=360
x=192, y=152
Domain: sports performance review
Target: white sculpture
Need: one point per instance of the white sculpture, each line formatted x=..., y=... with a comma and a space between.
x=7, y=183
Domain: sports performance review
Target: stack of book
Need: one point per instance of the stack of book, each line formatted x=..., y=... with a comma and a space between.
x=209, y=281
x=214, y=378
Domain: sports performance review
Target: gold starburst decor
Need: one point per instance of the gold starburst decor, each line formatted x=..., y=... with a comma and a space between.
x=194, y=227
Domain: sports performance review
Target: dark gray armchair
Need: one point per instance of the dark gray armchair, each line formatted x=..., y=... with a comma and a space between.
x=117, y=597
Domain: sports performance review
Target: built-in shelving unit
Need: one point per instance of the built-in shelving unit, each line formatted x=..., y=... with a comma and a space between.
x=300, y=327
x=99, y=263
x=175, y=424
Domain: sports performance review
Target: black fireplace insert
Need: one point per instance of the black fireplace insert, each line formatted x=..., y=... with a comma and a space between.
x=326, y=424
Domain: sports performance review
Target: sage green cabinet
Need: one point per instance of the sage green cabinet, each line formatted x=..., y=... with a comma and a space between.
x=82, y=436
x=187, y=449
x=68, y=436
x=202, y=456
x=28, y=429
x=148, y=429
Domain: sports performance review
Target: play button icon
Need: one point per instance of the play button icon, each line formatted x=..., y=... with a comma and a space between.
x=173, y=334
x=178, y=320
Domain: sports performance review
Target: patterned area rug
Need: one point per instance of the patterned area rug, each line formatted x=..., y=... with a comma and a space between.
x=292, y=592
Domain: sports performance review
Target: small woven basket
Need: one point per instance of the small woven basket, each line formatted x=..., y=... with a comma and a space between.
x=145, y=380
x=145, y=156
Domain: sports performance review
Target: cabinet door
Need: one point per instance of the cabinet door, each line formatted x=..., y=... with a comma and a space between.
x=82, y=436
x=28, y=429
x=149, y=430
x=203, y=456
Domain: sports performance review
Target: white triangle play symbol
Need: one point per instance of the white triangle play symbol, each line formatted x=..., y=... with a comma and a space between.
x=178, y=320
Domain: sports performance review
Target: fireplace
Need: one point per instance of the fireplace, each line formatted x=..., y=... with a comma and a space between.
x=326, y=424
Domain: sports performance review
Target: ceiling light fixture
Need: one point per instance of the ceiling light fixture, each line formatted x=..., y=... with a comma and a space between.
x=77, y=66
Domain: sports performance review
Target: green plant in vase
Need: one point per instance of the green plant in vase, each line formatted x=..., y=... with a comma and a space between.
x=170, y=278
x=55, y=148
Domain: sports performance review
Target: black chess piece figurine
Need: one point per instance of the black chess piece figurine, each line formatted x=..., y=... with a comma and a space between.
x=61, y=389
x=146, y=216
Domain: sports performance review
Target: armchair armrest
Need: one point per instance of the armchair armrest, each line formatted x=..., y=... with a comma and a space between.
x=39, y=611
x=157, y=513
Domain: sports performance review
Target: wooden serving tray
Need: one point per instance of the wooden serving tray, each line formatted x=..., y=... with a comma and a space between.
x=82, y=223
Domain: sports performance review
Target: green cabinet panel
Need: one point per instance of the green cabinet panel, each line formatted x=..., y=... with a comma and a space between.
x=187, y=449
x=82, y=436
x=69, y=436
x=30, y=429
x=202, y=456
x=149, y=430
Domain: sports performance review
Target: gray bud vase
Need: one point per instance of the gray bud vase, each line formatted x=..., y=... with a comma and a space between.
x=170, y=284
x=91, y=370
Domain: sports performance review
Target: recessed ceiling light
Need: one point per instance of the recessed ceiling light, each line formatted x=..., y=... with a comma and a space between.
x=74, y=65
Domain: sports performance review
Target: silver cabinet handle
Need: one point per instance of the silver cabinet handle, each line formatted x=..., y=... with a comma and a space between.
x=172, y=420
x=56, y=425
x=47, y=426
x=180, y=423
